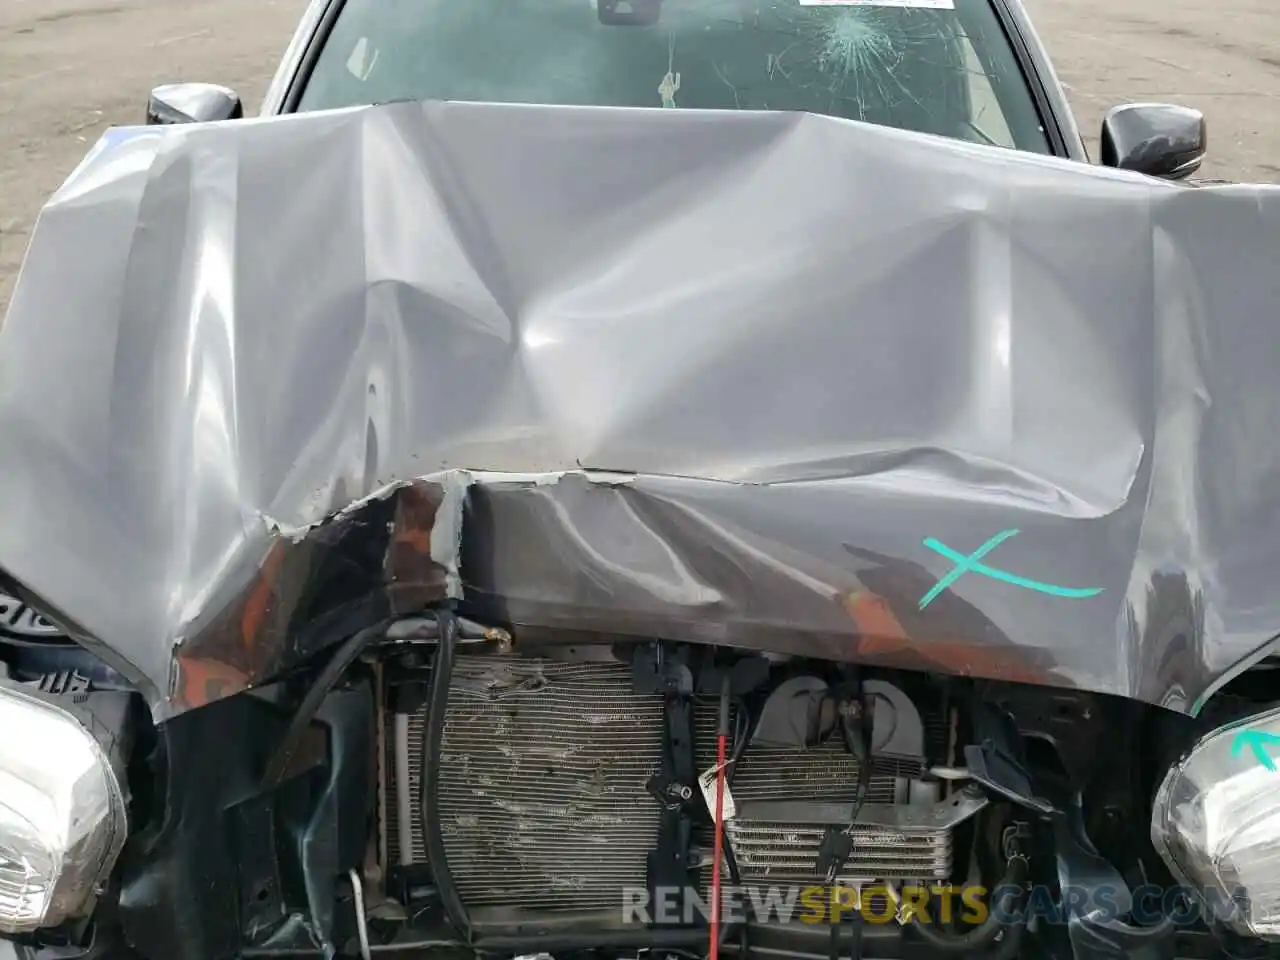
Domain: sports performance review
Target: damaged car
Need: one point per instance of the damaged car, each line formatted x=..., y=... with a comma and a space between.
x=802, y=523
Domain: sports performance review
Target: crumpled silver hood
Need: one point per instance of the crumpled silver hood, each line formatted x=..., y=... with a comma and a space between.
x=763, y=379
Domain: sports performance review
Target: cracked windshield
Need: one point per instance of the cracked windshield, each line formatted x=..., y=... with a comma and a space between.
x=943, y=67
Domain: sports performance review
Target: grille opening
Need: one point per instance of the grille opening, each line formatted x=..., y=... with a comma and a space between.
x=543, y=800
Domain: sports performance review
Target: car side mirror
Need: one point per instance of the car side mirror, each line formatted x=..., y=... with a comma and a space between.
x=192, y=103
x=1158, y=139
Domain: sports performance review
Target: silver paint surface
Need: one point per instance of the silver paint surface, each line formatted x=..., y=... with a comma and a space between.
x=695, y=375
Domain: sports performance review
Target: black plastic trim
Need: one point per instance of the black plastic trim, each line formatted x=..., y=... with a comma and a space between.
x=307, y=63
x=1035, y=81
x=441, y=677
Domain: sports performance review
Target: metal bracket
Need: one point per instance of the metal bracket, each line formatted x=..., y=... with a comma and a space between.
x=998, y=772
x=668, y=792
x=655, y=669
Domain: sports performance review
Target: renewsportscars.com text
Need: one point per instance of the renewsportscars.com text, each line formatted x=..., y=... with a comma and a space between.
x=966, y=905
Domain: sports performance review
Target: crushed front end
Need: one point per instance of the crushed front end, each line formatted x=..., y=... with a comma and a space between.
x=437, y=786
x=497, y=531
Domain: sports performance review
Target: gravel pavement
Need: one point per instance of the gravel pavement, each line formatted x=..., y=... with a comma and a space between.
x=1222, y=58
x=71, y=68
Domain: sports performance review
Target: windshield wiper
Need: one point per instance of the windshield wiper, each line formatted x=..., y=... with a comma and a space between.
x=991, y=141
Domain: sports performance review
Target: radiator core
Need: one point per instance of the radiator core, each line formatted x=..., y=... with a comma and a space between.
x=543, y=799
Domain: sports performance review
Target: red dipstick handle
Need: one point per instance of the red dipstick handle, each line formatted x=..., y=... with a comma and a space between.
x=714, y=951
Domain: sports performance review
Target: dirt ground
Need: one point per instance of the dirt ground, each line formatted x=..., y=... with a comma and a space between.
x=71, y=68
x=1222, y=58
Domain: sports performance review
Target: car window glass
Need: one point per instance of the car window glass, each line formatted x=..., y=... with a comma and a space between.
x=987, y=117
x=943, y=71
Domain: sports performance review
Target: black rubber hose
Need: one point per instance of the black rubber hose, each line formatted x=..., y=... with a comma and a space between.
x=429, y=807
x=739, y=742
x=984, y=935
x=735, y=878
x=306, y=712
x=857, y=741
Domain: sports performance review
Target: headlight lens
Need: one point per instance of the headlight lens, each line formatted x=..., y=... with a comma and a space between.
x=62, y=814
x=1216, y=823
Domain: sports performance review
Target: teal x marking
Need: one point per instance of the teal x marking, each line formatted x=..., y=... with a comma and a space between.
x=970, y=564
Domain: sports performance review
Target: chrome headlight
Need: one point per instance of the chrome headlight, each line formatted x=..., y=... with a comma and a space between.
x=62, y=813
x=1216, y=823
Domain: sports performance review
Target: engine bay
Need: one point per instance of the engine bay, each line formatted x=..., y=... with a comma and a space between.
x=566, y=786
x=440, y=786
x=560, y=796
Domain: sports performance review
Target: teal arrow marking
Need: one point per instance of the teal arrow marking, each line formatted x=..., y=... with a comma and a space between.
x=970, y=564
x=1257, y=741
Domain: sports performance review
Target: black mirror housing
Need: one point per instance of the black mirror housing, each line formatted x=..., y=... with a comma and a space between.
x=192, y=103
x=1158, y=139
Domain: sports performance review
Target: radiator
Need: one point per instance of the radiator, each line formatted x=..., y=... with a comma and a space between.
x=543, y=803
x=781, y=850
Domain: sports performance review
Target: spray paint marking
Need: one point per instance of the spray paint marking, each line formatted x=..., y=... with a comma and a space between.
x=970, y=564
x=1257, y=741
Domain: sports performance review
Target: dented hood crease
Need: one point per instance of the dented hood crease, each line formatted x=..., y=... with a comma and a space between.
x=771, y=380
